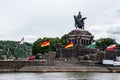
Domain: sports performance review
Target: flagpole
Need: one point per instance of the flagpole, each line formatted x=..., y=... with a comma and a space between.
x=19, y=43
x=49, y=56
x=104, y=54
x=116, y=54
x=46, y=44
x=15, y=53
x=74, y=55
x=7, y=53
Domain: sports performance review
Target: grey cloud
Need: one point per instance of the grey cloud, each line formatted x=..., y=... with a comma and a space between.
x=118, y=11
x=114, y=30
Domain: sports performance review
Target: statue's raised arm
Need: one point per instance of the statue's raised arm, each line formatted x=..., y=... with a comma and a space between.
x=79, y=21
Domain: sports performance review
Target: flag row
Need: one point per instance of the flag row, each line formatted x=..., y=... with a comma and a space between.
x=70, y=44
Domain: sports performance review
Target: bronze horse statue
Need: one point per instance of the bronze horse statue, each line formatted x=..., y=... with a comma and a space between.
x=79, y=21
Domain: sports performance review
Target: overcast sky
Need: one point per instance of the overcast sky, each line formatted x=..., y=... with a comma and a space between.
x=33, y=19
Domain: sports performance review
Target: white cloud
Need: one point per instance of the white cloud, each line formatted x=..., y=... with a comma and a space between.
x=52, y=18
x=106, y=30
x=1, y=34
x=30, y=38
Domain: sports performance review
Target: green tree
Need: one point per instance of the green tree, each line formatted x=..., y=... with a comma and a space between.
x=52, y=47
x=102, y=43
x=63, y=39
x=21, y=51
x=118, y=45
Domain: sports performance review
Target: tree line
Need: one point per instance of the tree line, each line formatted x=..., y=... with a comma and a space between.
x=54, y=42
x=101, y=44
x=11, y=48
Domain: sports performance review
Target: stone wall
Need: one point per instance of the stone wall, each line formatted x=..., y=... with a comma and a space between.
x=20, y=64
x=83, y=53
x=66, y=60
x=110, y=55
x=14, y=64
x=76, y=52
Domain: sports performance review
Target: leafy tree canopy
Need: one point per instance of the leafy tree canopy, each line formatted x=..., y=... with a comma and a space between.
x=11, y=48
x=104, y=42
x=52, y=47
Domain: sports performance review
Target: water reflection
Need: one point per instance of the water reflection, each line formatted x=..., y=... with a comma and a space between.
x=60, y=76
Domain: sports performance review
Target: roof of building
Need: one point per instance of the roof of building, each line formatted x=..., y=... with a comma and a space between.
x=79, y=32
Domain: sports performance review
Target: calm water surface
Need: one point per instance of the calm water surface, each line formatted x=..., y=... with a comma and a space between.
x=60, y=76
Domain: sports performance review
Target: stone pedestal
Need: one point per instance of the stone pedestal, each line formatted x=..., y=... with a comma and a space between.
x=80, y=37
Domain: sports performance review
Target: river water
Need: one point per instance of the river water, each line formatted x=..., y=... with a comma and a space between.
x=60, y=76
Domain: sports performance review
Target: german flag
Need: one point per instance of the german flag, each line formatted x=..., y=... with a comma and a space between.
x=70, y=44
x=45, y=43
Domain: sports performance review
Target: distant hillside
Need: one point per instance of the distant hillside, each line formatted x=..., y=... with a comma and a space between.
x=12, y=48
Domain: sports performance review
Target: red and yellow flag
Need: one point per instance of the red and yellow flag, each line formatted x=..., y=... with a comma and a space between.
x=70, y=44
x=45, y=43
x=111, y=47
